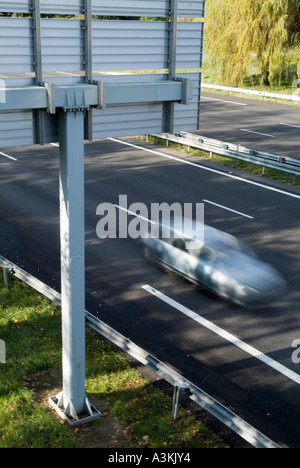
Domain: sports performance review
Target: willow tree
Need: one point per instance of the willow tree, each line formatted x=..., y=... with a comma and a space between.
x=237, y=32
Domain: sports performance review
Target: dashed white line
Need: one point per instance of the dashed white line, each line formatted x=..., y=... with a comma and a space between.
x=290, y=125
x=225, y=335
x=205, y=168
x=257, y=133
x=7, y=156
x=228, y=209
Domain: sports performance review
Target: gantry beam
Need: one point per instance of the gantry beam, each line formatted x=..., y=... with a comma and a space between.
x=100, y=95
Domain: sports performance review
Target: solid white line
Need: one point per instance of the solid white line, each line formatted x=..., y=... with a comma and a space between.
x=55, y=144
x=251, y=182
x=224, y=334
x=290, y=125
x=7, y=156
x=228, y=209
x=223, y=100
x=257, y=133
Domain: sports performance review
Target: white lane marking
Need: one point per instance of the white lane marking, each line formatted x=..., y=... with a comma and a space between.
x=67, y=73
x=7, y=156
x=55, y=144
x=290, y=125
x=134, y=214
x=223, y=100
x=257, y=133
x=225, y=335
x=199, y=166
x=228, y=209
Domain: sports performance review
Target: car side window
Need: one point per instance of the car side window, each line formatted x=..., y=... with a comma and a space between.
x=205, y=254
x=179, y=244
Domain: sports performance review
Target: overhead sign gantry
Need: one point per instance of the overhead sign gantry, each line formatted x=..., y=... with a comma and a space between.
x=79, y=77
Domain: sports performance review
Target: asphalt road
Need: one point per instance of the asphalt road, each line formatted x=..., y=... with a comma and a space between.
x=255, y=124
x=264, y=217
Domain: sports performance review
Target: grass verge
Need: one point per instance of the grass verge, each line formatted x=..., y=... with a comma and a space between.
x=268, y=173
x=30, y=326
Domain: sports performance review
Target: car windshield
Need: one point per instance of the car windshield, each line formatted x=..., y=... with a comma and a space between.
x=230, y=246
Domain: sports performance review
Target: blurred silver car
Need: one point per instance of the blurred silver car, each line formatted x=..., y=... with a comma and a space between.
x=219, y=262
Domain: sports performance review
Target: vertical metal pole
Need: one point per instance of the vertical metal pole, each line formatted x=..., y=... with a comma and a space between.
x=36, y=27
x=72, y=259
x=71, y=180
x=169, y=107
x=87, y=10
x=37, y=65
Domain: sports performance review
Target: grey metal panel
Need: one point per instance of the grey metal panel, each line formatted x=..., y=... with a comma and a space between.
x=117, y=45
x=16, y=45
x=143, y=45
x=10, y=6
x=129, y=45
x=56, y=7
x=64, y=7
x=131, y=8
x=124, y=121
x=17, y=128
x=128, y=120
x=191, y=8
x=158, y=8
x=189, y=45
x=62, y=45
x=148, y=118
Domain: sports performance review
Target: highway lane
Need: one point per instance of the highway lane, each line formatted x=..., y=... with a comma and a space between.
x=256, y=124
x=116, y=269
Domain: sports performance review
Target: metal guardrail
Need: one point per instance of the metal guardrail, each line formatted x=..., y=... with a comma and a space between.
x=236, y=151
x=181, y=384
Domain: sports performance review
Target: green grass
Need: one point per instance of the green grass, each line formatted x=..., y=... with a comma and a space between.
x=31, y=328
x=255, y=169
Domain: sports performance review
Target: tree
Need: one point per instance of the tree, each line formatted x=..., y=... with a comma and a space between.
x=237, y=32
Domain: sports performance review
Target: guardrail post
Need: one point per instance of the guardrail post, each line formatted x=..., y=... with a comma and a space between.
x=5, y=276
x=178, y=391
x=2, y=352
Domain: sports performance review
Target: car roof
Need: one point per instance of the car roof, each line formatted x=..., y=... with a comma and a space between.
x=205, y=234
